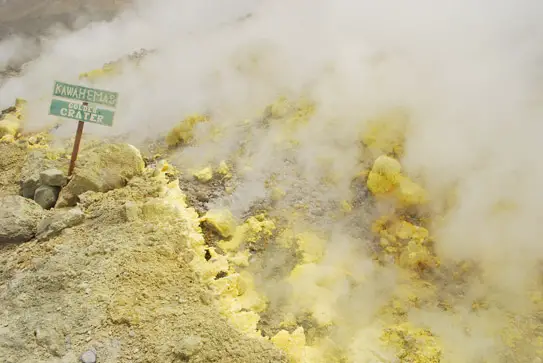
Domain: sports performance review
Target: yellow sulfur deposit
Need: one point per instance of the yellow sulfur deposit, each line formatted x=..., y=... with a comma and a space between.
x=310, y=246
x=385, y=178
x=221, y=220
x=413, y=344
x=294, y=344
x=279, y=108
x=9, y=125
x=410, y=193
x=254, y=229
x=224, y=170
x=183, y=132
x=409, y=243
x=384, y=175
x=107, y=70
x=209, y=269
x=238, y=299
x=204, y=175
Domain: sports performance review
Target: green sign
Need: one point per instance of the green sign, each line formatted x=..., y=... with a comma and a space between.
x=84, y=94
x=81, y=103
x=79, y=111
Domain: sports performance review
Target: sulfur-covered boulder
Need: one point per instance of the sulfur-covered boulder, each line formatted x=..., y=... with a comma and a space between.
x=221, y=221
x=9, y=125
x=19, y=218
x=100, y=169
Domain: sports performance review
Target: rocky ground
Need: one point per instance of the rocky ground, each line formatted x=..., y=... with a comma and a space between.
x=143, y=256
x=122, y=289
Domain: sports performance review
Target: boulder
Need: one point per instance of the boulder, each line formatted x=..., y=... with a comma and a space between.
x=53, y=225
x=29, y=186
x=19, y=218
x=9, y=125
x=100, y=169
x=46, y=196
x=53, y=178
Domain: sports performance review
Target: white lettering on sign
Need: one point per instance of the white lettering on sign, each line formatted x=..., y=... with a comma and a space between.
x=80, y=107
x=63, y=112
x=85, y=94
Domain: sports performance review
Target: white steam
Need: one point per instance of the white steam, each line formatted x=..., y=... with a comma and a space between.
x=469, y=72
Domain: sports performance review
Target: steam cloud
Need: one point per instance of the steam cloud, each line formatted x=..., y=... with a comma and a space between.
x=468, y=72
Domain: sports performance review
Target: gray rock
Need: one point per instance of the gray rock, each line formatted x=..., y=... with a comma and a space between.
x=46, y=196
x=19, y=218
x=29, y=186
x=53, y=225
x=100, y=169
x=88, y=357
x=53, y=177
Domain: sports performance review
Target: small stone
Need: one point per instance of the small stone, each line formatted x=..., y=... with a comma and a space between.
x=53, y=178
x=29, y=186
x=46, y=196
x=88, y=357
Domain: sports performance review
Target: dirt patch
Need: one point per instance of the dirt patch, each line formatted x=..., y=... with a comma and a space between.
x=11, y=163
x=123, y=289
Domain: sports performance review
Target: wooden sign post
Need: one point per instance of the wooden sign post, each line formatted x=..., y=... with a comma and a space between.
x=81, y=103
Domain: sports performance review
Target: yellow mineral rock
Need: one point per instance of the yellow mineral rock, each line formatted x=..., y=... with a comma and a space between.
x=294, y=344
x=384, y=175
x=7, y=139
x=277, y=194
x=204, y=175
x=246, y=322
x=416, y=256
x=413, y=344
x=106, y=70
x=279, y=108
x=311, y=246
x=410, y=193
x=183, y=132
x=20, y=108
x=208, y=269
x=240, y=258
x=9, y=125
x=346, y=207
x=253, y=230
x=222, y=221
x=406, y=230
x=224, y=170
